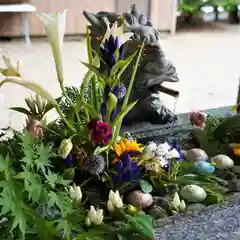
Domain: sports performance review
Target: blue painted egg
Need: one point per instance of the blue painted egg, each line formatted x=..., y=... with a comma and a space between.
x=204, y=168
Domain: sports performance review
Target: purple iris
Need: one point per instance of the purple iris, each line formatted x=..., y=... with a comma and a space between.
x=68, y=160
x=175, y=145
x=126, y=171
x=109, y=50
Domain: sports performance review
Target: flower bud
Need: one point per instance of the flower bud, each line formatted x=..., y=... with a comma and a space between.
x=75, y=192
x=110, y=206
x=115, y=199
x=112, y=102
x=95, y=216
x=87, y=221
x=182, y=206
x=65, y=148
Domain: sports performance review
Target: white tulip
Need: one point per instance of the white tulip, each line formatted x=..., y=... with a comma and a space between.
x=75, y=192
x=110, y=206
x=178, y=204
x=163, y=149
x=173, y=154
x=176, y=199
x=182, y=206
x=116, y=31
x=115, y=199
x=95, y=216
x=54, y=25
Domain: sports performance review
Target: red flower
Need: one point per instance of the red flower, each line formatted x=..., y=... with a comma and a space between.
x=100, y=131
x=197, y=119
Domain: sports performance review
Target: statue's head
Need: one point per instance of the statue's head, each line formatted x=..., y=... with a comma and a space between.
x=154, y=67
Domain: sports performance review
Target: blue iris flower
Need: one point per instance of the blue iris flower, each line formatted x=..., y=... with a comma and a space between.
x=126, y=171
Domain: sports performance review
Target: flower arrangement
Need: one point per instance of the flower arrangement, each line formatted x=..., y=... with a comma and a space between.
x=78, y=177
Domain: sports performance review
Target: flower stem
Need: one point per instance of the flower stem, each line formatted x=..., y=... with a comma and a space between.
x=125, y=102
x=71, y=128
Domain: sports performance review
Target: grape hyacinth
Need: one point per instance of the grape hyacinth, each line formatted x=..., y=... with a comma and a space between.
x=94, y=164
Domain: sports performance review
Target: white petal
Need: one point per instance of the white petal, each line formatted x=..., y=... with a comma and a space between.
x=182, y=205
x=176, y=200
x=110, y=206
x=55, y=25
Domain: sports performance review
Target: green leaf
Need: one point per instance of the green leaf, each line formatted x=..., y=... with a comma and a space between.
x=20, y=221
x=3, y=164
x=51, y=178
x=31, y=86
x=122, y=65
x=89, y=108
x=100, y=150
x=92, y=68
x=146, y=186
x=143, y=225
x=21, y=110
x=123, y=113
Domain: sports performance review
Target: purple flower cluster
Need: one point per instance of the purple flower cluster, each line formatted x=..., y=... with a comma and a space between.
x=119, y=91
x=126, y=171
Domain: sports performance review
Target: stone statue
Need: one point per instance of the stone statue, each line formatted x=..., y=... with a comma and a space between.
x=154, y=67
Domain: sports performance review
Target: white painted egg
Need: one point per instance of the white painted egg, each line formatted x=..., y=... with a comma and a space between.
x=140, y=199
x=196, y=154
x=222, y=161
x=193, y=193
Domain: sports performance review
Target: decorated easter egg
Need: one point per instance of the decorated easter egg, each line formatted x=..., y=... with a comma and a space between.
x=196, y=154
x=193, y=193
x=140, y=199
x=222, y=161
x=204, y=168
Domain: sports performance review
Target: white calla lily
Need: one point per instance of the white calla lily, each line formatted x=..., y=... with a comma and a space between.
x=54, y=25
x=116, y=31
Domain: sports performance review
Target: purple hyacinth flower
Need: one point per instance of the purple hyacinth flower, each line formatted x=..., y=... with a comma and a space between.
x=68, y=160
x=119, y=91
x=103, y=110
x=121, y=52
x=113, y=114
x=107, y=90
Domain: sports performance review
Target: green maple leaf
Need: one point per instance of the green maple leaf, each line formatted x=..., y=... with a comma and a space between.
x=20, y=220
x=43, y=160
x=62, y=201
x=3, y=164
x=51, y=178
x=32, y=184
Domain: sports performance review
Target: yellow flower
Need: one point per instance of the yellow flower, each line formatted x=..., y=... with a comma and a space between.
x=126, y=146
